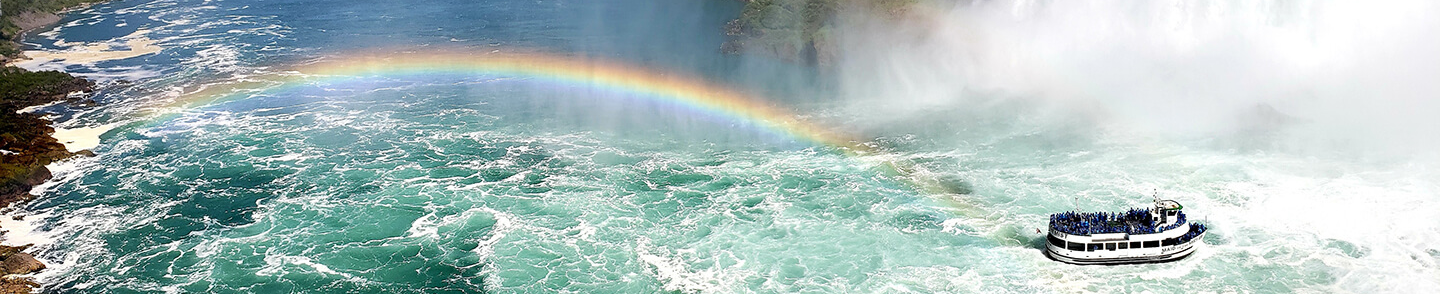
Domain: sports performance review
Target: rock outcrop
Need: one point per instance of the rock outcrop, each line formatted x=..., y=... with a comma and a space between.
x=17, y=285
x=21, y=263
x=25, y=142
x=13, y=261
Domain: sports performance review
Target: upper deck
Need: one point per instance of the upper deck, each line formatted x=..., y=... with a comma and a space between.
x=1165, y=215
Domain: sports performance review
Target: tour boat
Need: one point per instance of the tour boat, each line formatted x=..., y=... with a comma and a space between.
x=1157, y=234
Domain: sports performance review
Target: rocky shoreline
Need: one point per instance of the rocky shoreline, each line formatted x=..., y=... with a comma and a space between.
x=26, y=147
x=26, y=141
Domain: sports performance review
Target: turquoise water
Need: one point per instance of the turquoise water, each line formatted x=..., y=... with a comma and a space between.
x=444, y=183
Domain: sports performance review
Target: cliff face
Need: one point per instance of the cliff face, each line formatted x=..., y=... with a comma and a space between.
x=801, y=31
x=788, y=29
x=19, y=16
x=30, y=20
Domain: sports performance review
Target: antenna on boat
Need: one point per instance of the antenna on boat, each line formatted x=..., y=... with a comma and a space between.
x=1077, y=204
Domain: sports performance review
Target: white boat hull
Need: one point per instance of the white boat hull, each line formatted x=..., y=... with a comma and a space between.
x=1124, y=256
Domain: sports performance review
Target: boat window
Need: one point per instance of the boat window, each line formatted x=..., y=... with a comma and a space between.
x=1075, y=246
x=1135, y=244
x=1168, y=242
x=1055, y=241
x=1094, y=246
x=1110, y=246
x=1124, y=245
x=1152, y=244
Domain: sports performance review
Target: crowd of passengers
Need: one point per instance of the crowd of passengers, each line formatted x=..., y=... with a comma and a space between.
x=1134, y=222
x=1195, y=230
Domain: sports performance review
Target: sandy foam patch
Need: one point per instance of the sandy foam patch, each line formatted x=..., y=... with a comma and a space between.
x=77, y=139
x=83, y=53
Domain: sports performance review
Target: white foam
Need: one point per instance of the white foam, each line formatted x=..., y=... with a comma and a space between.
x=424, y=227
x=504, y=224
x=137, y=45
x=21, y=232
x=275, y=265
x=291, y=157
x=672, y=271
x=34, y=108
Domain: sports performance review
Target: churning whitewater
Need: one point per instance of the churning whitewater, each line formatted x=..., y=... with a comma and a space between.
x=620, y=151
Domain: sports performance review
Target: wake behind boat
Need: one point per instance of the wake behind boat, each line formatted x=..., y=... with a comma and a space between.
x=1157, y=234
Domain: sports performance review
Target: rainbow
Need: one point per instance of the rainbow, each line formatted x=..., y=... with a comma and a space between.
x=690, y=93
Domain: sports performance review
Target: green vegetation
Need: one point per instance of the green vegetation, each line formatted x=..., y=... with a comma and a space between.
x=798, y=30
x=20, y=88
x=8, y=48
